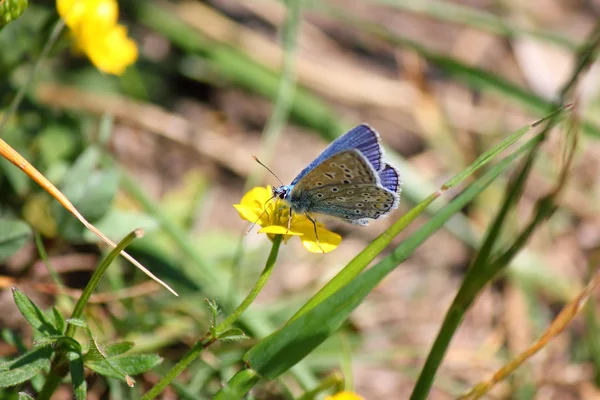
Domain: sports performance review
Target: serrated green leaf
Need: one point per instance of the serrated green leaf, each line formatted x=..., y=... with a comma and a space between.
x=34, y=315
x=77, y=375
x=96, y=356
x=23, y=368
x=25, y=396
x=129, y=365
x=116, y=349
x=233, y=334
x=14, y=233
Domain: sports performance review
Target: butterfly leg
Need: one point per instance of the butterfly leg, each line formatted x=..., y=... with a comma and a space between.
x=316, y=233
x=289, y=225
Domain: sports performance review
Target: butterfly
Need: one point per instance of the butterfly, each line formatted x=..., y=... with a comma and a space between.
x=348, y=180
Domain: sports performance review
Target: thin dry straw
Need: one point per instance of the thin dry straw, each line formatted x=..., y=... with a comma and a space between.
x=14, y=157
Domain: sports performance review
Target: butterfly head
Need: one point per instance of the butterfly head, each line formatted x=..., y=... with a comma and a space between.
x=282, y=192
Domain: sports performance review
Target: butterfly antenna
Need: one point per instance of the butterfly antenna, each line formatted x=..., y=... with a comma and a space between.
x=267, y=168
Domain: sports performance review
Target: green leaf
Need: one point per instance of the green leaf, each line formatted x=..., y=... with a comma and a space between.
x=67, y=341
x=118, y=367
x=11, y=10
x=214, y=310
x=25, y=367
x=59, y=320
x=55, y=142
x=283, y=349
x=77, y=375
x=118, y=223
x=25, y=396
x=90, y=188
x=14, y=340
x=118, y=348
x=16, y=136
x=233, y=334
x=34, y=315
x=14, y=233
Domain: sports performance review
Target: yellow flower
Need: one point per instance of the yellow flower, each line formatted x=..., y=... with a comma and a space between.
x=273, y=217
x=96, y=32
x=344, y=396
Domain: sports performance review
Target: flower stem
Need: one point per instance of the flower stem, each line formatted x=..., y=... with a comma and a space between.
x=213, y=336
x=260, y=283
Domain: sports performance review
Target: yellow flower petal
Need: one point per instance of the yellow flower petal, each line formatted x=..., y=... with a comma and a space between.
x=96, y=32
x=246, y=212
x=258, y=206
x=257, y=197
x=344, y=396
x=77, y=13
x=327, y=242
x=279, y=230
x=110, y=51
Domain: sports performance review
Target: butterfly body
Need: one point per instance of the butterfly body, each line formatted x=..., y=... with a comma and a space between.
x=349, y=180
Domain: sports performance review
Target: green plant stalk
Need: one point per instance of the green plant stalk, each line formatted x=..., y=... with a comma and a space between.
x=44, y=256
x=481, y=274
x=593, y=327
x=226, y=324
x=285, y=92
x=334, y=380
x=97, y=276
x=240, y=384
x=14, y=105
x=274, y=127
x=59, y=366
x=473, y=282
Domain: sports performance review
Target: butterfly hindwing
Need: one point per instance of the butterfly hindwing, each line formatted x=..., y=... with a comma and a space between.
x=362, y=138
x=390, y=179
x=353, y=203
x=345, y=186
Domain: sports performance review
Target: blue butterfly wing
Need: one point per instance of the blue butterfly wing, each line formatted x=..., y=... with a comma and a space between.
x=345, y=186
x=390, y=179
x=362, y=138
